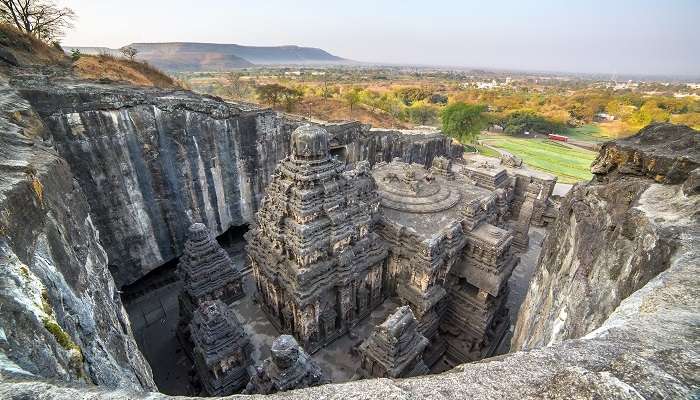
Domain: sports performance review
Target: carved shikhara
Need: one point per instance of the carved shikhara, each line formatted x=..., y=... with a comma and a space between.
x=317, y=260
x=329, y=245
x=207, y=274
x=221, y=349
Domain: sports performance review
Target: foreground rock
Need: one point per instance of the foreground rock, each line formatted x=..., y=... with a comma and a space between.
x=60, y=314
x=613, y=235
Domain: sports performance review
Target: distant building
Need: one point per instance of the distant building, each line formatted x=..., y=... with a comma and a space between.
x=495, y=128
x=603, y=117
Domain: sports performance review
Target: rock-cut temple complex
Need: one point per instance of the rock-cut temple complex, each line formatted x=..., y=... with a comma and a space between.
x=317, y=259
x=329, y=245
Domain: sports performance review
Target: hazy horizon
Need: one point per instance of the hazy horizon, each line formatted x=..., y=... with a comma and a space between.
x=594, y=37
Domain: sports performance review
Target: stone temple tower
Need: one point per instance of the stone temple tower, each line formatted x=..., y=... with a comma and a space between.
x=221, y=349
x=316, y=259
x=207, y=274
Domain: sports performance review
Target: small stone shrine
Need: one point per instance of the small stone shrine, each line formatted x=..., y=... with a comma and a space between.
x=395, y=348
x=289, y=367
x=221, y=349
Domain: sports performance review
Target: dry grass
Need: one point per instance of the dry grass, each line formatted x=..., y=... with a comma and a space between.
x=28, y=49
x=122, y=70
x=616, y=130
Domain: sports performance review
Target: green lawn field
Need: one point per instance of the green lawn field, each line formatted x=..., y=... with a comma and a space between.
x=570, y=165
x=589, y=133
x=600, y=132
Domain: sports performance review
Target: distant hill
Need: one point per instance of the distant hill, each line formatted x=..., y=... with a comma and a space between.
x=185, y=56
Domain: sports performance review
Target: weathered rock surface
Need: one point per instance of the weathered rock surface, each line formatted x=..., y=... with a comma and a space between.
x=61, y=316
x=151, y=162
x=613, y=235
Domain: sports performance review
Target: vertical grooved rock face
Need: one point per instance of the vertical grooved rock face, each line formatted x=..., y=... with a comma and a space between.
x=61, y=316
x=613, y=235
x=151, y=162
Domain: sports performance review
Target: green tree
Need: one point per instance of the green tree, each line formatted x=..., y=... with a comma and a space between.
x=528, y=121
x=409, y=95
x=75, y=54
x=463, y=121
x=327, y=90
x=352, y=97
x=290, y=97
x=270, y=94
x=421, y=113
x=649, y=112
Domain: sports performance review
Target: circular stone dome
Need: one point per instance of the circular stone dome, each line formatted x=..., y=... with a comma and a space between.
x=198, y=231
x=310, y=142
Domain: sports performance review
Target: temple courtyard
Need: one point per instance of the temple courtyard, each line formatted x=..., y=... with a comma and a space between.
x=154, y=318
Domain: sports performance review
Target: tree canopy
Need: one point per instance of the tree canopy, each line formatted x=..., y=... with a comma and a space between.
x=463, y=121
x=270, y=94
x=352, y=97
x=129, y=52
x=41, y=18
x=528, y=121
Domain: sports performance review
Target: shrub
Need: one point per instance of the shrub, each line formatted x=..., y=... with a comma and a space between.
x=75, y=55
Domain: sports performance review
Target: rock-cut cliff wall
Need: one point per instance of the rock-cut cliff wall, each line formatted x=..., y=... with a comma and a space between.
x=60, y=313
x=613, y=235
x=151, y=161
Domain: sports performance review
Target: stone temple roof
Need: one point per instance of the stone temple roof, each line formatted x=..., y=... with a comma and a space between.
x=415, y=198
x=204, y=266
x=216, y=332
x=310, y=142
x=396, y=342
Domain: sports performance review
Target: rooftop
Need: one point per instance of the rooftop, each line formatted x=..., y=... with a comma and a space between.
x=414, y=198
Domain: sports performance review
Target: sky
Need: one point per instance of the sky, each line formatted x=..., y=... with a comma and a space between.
x=660, y=37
